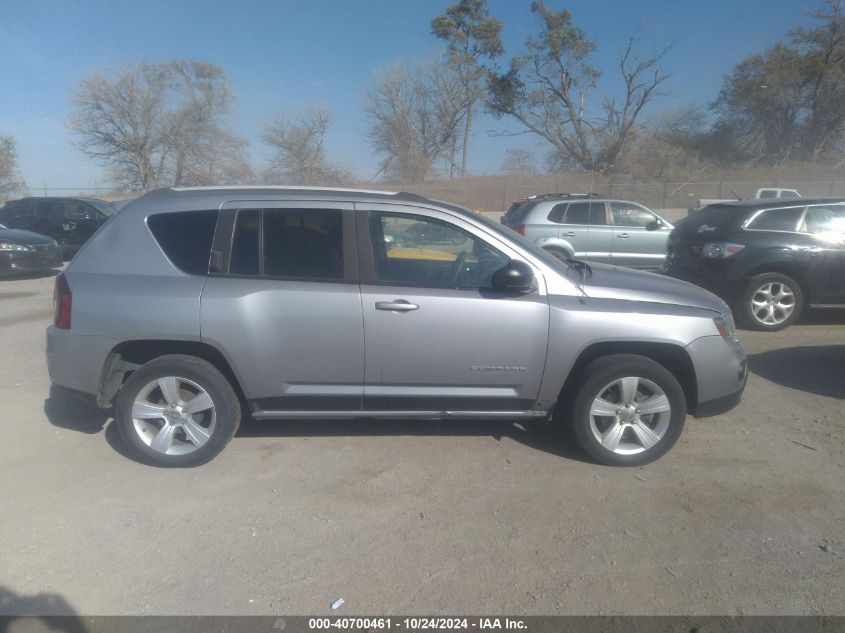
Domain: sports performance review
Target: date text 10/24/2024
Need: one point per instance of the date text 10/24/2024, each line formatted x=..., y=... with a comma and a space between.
x=417, y=624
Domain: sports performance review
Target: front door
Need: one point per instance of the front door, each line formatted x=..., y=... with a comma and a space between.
x=284, y=303
x=437, y=336
x=639, y=238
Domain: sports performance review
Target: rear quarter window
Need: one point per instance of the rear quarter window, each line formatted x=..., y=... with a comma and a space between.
x=185, y=237
x=777, y=220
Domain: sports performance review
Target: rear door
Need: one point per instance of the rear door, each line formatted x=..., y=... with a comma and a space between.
x=49, y=220
x=437, y=336
x=639, y=238
x=573, y=220
x=284, y=303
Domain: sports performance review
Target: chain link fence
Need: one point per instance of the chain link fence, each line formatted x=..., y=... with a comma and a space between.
x=494, y=194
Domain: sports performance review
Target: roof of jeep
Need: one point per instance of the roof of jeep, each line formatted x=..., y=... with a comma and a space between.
x=226, y=193
x=285, y=191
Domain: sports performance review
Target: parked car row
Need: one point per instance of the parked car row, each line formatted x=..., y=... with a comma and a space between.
x=39, y=233
x=769, y=258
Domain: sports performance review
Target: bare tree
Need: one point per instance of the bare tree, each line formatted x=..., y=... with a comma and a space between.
x=519, y=161
x=9, y=179
x=414, y=113
x=157, y=124
x=548, y=89
x=300, y=152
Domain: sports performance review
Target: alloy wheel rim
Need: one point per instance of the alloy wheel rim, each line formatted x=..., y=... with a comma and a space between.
x=630, y=415
x=174, y=415
x=773, y=303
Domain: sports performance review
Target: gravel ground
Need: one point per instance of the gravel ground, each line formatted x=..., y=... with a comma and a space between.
x=746, y=515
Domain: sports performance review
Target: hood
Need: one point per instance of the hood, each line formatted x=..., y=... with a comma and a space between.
x=27, y=238
x=627, y=284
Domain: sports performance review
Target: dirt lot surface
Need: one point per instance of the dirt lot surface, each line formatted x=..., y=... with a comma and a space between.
x=746, y=515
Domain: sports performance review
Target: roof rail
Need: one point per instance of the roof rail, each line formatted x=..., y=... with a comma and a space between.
x=546, y=196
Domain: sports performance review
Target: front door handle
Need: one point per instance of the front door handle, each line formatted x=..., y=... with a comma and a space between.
x=623, y=235
x=570, y=234
x=398, y=305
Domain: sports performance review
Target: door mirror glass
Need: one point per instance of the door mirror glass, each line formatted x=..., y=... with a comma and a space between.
x=515, y=276
x=653, y=226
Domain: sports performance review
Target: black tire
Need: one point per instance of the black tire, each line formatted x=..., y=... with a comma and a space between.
x=561, y=253
x=604, y=371
x=744, y=310
x=226, y=404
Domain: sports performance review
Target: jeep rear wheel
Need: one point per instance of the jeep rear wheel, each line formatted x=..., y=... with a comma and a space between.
x=177, y=411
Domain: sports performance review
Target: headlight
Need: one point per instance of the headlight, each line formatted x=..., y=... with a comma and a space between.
x=720, y=250
x=6, y=246
x=726, y=327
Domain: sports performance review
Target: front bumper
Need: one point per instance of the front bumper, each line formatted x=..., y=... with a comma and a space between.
x=19, y=262
x=721, y=370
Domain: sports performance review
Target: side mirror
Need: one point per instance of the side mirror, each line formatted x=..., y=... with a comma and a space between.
x=515, y=276
x=653, y=226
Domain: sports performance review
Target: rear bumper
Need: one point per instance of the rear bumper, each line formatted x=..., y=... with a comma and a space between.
x=721, y=370
x=76, y=362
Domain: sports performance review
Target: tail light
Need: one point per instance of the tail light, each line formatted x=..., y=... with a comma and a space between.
x=62, y=301
x=720, y=250
x=521, y=229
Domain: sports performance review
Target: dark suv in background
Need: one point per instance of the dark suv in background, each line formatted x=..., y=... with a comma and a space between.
x=769, y=259
x=69, y=221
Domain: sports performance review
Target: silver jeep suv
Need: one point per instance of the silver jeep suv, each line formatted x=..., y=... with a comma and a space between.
x=193, y=307
x=589, y=227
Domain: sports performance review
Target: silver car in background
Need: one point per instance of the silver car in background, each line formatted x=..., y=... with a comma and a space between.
x=595, y=229
x=194, y=307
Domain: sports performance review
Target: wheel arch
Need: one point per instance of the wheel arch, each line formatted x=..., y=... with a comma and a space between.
x=126, y=357
x=673, y=357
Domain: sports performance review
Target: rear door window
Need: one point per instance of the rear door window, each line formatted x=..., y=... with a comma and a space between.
x=245, y=258
x=54, y=209
x=777, y=220
x=303, y=244
x=577, y=213
x=288, y=243
x=23, y=210
x=185, y=237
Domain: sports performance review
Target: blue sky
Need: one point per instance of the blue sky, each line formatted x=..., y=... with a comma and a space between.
x=282, y=55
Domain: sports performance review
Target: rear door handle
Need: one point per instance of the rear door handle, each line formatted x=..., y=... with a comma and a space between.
x=622, y=235
x=570, y=234
x=398, y=305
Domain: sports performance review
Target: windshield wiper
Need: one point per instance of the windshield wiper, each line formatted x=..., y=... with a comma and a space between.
x=583, y=268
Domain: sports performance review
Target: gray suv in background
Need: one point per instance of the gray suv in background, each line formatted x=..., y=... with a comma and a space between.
x=586, y=226
x=194, y=307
